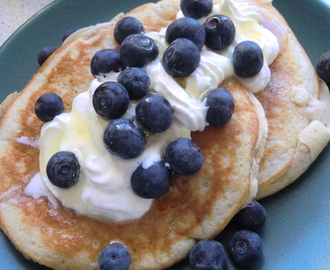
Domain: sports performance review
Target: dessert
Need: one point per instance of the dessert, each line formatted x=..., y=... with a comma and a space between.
x=63, y=238
x=248, y=121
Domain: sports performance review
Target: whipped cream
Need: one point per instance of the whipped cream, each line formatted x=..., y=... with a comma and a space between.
x=248, y=26
x=103, y=190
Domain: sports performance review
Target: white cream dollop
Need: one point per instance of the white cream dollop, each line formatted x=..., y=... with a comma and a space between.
x=103, y=189
x=248, y=26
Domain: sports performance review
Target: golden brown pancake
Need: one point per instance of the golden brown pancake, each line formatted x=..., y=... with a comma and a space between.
x=196, y=207
x=297, y=108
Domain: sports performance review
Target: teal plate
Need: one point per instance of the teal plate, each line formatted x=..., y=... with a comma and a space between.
x=297, y=231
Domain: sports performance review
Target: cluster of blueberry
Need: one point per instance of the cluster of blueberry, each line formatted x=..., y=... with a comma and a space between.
x=127, y=138
x=186, y=37
x=245, y=246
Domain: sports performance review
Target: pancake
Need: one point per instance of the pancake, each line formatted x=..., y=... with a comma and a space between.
x=196, y=207
x=297, y=108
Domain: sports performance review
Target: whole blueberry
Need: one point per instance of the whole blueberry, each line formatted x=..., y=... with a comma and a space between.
x=110, y=100
x=196, y=8
x=220, y=105
x=252, y=217
x=124, y=138
x=184, y=156
x=136, y=81
x=323, y=67
x=105, y=61
x=69, y=32
x=44, y=53
x=220, y=32
x=114, y=257
x=63, y=169
x=208, y=254
x=152, y=181
x=154, y=113
x=127, y=26
x=48, y=106
x=247, y=59
x=245, y=247
x=186, y=28
x=181, y=58
x=137, y=50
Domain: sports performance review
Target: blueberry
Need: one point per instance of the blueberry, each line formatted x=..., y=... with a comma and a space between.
x=44, y=53
x=245, y=247
x=323, y=67
x=220, y=105
x=181, y=58
x=105, y=61
x=114, y=257
x=208, y=254
x=48, y=106
x=152, y=181
x=247, y=59
x=251, y=217
x=220, y=32
x=196, y=8
x=136, y=81
x=124, y=138
x=63, y=169
x=127, y=26
x=137, y=50
x=184, y=156
x=154, y=113
x=186, y=28
x=110, y=100
x=69, y=32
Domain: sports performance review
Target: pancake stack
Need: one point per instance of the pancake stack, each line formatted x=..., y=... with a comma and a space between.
x=271, y=139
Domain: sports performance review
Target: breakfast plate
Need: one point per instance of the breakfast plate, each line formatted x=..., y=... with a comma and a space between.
x=297, y=231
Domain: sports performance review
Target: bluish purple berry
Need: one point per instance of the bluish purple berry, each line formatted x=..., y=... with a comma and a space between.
x=252, y=217
x=208, y=254
x=181, y=58
x=127, y=26
x=63, y=169
x=69, y=32
x=105, y=61
x=220, y=105
x=154, y=113
x=136, y=81
x=110, y=100
x=124, y=138
x=323, y=67
x=137, y=50
x=196, y=8
x=48, y=106
x=186, y=28
x=44, y=54
x=245, y=247
x=184, y=156
x=151, y=181
x=247, y=59
x=220, y=32
x=114, y=257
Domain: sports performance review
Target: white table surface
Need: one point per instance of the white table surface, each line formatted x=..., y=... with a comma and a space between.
x=13, y=13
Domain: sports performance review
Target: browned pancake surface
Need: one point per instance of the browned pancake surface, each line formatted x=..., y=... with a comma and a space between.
x=293, y=92
x=196, y=207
